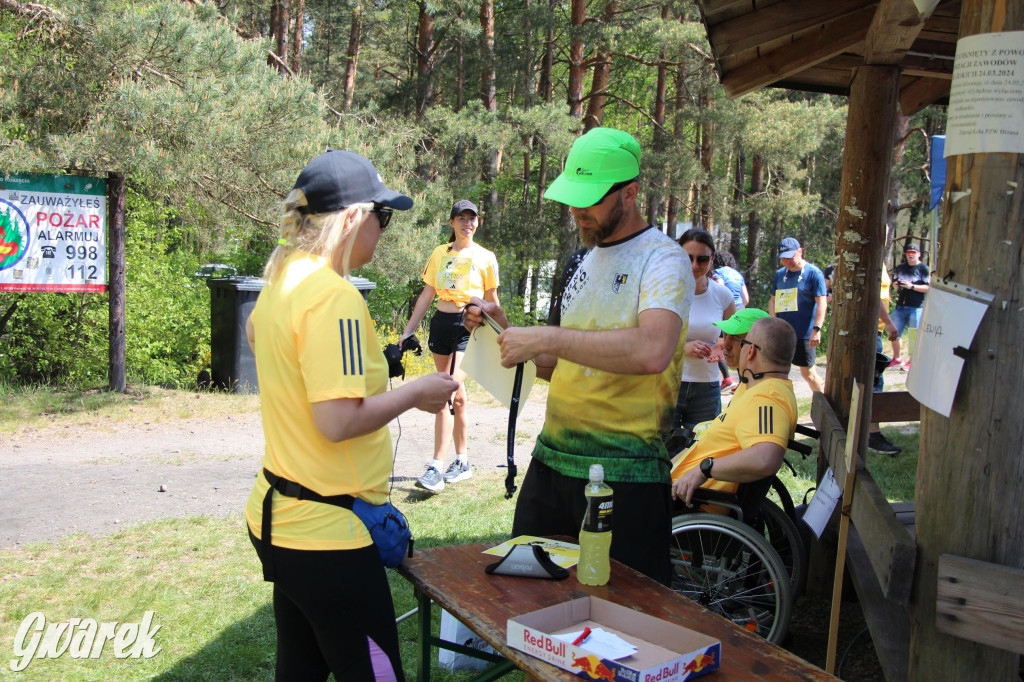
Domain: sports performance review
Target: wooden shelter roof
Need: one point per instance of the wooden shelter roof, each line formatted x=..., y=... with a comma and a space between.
x=816, y=45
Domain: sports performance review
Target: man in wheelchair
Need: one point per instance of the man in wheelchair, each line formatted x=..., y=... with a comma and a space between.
x=718, y=561
x=748, y=440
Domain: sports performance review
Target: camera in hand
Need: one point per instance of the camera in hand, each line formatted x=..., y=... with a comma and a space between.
x=393, y=354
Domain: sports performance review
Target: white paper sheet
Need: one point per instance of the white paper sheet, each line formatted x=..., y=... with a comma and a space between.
x=602, y=643
x=483, y=362
x=951, y=317
x=820, y=509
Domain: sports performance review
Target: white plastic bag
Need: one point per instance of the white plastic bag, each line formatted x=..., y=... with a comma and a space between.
x=454, y=631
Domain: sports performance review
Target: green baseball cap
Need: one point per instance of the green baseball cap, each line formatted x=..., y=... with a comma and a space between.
x=598, y=159
x=741, y=320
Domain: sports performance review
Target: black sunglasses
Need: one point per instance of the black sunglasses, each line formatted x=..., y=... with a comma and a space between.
x=612, y=190
x=383, y=215
x=703, y=260
x=744, y=342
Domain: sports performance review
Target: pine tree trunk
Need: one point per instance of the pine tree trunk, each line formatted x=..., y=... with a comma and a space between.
x=577, y=17
x=298, y=26
x=654, y=197
x=736, y=220
x=352, y=56
x=489, y=98
x=752, y=266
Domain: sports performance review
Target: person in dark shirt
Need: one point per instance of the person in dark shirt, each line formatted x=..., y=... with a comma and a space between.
x=912, y=280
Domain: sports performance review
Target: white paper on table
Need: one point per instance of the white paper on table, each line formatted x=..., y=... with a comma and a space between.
x=820, y=509
x=601, y=643
x=952, y=313
x=483, y=362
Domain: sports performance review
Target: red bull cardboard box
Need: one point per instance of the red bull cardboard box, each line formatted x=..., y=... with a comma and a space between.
x=665, y=652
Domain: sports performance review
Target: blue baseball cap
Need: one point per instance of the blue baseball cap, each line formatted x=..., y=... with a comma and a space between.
x=788, y=247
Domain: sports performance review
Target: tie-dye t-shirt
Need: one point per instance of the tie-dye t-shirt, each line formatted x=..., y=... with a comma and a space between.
x=617, y=420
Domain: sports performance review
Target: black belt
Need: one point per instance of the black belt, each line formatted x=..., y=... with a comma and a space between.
x=513, y=415
x=288, y=489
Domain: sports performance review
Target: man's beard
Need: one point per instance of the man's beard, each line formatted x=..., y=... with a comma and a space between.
x=591, y=237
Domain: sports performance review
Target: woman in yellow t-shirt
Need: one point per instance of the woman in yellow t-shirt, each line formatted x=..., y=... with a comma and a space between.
x=456, y=272
x=325, y=404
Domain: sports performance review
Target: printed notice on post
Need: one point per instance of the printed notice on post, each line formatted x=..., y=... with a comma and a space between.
x=986, y=99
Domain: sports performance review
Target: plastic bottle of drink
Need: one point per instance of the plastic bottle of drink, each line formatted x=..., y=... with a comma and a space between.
x=596, y=533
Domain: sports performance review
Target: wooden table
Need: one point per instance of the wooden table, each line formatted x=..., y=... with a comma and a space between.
x=454, y=578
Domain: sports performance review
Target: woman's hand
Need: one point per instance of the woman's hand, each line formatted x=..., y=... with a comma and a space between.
x=434, y=391
x=698, y=349
x=472, y=314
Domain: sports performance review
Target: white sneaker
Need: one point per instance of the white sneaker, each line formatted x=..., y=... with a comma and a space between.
x=457, y=472
x=431, y=480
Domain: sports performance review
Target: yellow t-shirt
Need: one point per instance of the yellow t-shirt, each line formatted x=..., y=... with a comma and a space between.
x=459, y=275
x=763, y=413
x=315, y=341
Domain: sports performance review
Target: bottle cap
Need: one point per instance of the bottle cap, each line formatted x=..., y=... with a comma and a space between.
x=596, y=472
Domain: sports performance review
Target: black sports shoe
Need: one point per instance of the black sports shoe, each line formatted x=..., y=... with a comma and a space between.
x=879, y=443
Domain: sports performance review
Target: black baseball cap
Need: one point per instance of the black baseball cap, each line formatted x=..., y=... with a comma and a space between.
x=912, y=247
x=337, y=179
x=463, y=205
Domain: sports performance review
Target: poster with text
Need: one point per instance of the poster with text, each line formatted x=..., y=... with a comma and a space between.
x=53, y=233
x=986, y=97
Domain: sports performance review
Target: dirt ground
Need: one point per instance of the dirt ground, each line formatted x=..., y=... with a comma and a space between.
x=61, y=479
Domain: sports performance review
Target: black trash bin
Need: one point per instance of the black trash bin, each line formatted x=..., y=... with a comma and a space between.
x=232, y=364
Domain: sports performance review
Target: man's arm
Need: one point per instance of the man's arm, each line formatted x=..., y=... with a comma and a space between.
x=644, y=349
x=883, y=315
x=758, y=461
x=820, y=308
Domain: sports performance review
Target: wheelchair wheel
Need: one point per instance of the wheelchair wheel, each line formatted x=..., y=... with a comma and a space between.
x=730, y=569
x=783, y=536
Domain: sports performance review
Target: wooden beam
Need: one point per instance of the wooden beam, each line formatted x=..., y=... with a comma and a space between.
x=896, y=25
x=895, y=406
x=776, y=21
x=920, y=93
x=813, y=48
x=981, y=602
x=889, y=548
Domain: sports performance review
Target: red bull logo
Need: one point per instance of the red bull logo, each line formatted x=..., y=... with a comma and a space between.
x=665, y=673
x=545, y=643
x=699, y=663
x=14, y=235
x=594, y=667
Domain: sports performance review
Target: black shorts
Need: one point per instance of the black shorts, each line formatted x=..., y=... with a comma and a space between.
x=447, y=335
x=550, y=503
x=803, y=354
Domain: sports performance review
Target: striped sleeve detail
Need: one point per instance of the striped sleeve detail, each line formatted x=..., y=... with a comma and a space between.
x=351, y=347
x=765, y=420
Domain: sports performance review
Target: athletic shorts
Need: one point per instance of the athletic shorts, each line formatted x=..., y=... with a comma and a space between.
x=447, y=335
x=804, y=355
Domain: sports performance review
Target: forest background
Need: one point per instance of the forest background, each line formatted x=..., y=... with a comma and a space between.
x=210, y=108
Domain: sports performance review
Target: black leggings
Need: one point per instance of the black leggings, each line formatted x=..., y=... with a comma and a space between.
x=334, y=614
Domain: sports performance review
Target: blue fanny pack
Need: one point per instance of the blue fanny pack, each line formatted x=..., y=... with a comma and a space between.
x=388, y=528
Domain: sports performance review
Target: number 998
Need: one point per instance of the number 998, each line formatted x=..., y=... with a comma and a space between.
x=81, y=252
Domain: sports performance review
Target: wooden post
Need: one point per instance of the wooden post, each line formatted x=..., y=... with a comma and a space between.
x=970, y=480
x=844, y=525
x=115, y=279
x=860, y=233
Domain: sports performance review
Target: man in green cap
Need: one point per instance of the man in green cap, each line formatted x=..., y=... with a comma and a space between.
x=735, y=330
x=614, y=362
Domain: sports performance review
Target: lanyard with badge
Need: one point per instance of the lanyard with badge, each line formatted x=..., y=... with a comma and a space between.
x=786, y=299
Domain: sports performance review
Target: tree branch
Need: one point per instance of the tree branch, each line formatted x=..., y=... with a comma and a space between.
x=255, y=219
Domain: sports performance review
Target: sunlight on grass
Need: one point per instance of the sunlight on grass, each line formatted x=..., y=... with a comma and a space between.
x=202, y=580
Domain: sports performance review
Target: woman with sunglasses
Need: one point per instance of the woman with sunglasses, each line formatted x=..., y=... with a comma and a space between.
x=325, y=404
x=455, y=272
x=700, y=394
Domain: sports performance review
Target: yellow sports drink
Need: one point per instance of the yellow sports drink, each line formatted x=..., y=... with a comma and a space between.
x=596, y=533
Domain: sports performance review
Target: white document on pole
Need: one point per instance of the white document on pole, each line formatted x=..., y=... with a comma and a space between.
x=483, y=362
x=986, y=97
x=820, y=509
x=952, y=313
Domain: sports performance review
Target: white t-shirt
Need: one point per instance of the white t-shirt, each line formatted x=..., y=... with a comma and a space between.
x=707, y=309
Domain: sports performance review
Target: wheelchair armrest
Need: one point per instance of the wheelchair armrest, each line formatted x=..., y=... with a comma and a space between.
x=703, y=496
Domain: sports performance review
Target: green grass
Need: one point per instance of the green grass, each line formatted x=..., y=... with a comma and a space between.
x=202, y=580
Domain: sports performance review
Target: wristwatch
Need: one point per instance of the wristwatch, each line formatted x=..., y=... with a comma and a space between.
x=816, y=328
x=705, y=466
